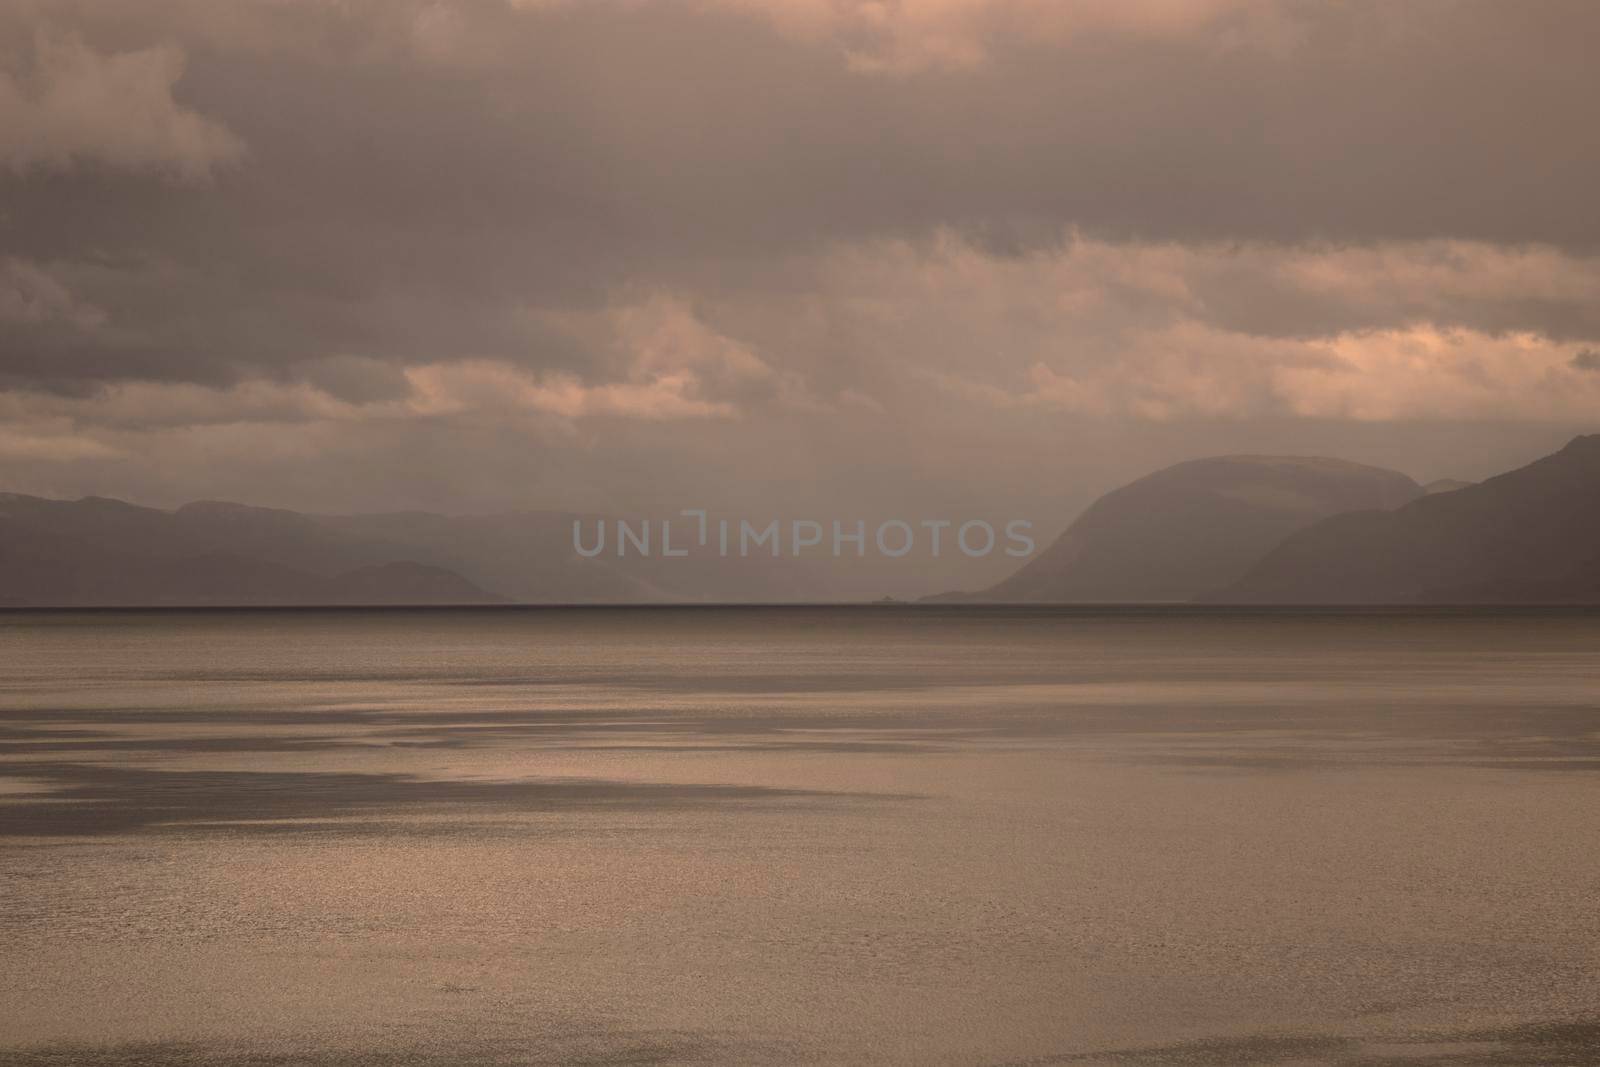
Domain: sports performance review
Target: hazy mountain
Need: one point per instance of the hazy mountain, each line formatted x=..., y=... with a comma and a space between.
x=1445, y=485
x=1194, y=527
x=106, y=552
x=1254, y=529
x=528, y=556
x=1529, y=536
x=98, y=550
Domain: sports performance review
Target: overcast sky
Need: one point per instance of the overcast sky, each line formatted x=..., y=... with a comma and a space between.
x=837, y=257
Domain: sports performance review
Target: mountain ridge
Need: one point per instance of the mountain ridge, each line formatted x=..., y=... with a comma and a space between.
x=1529, y=535
x=1243, y=529
x=1184, y=529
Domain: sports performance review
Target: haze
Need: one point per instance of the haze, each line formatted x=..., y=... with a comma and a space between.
x=955, y=258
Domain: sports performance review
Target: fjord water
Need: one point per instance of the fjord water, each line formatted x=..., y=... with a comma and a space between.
x=896, y=835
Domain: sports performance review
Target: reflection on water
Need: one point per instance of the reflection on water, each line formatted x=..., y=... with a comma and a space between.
x=799, y=835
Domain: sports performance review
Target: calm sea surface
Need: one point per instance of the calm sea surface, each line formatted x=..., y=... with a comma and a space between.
x=898, y=835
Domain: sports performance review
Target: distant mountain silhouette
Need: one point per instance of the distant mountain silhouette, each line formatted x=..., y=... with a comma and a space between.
x=1529, y=536
x=1229, y=529
x=528, y=556
x=100, y=552
x=103, y=551
x=1445, y=485
x=1193, y=527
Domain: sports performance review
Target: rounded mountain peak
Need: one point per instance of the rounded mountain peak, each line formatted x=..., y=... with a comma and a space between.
x=1197, y=526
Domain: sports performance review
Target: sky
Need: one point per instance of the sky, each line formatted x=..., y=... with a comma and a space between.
x=823, y=257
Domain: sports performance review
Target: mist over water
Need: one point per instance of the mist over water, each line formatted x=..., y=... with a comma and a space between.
x=894, y=835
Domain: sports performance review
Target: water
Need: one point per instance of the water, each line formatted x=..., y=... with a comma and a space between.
x=624, y=836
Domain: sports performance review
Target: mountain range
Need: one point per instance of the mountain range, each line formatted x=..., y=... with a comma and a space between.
x=1223, y=530
x=1530, y=536
x=102, y=552
x=97, y=551
x=1194, y=527
x=1299, y=530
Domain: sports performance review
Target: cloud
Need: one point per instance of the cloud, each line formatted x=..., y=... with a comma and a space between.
x=1265, y=289
x=454, y=388
x=1162, y=331
x=30, y=295
x=486, y=385
x=1418, y=373
x=139, y=406
x=609, y=250
x=1425, y=372
x=913, y=36
x=1088, y=327
x=902, y=37
x=422, y=172
x=72, y=105
x=660, y=336
x=41, y=445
